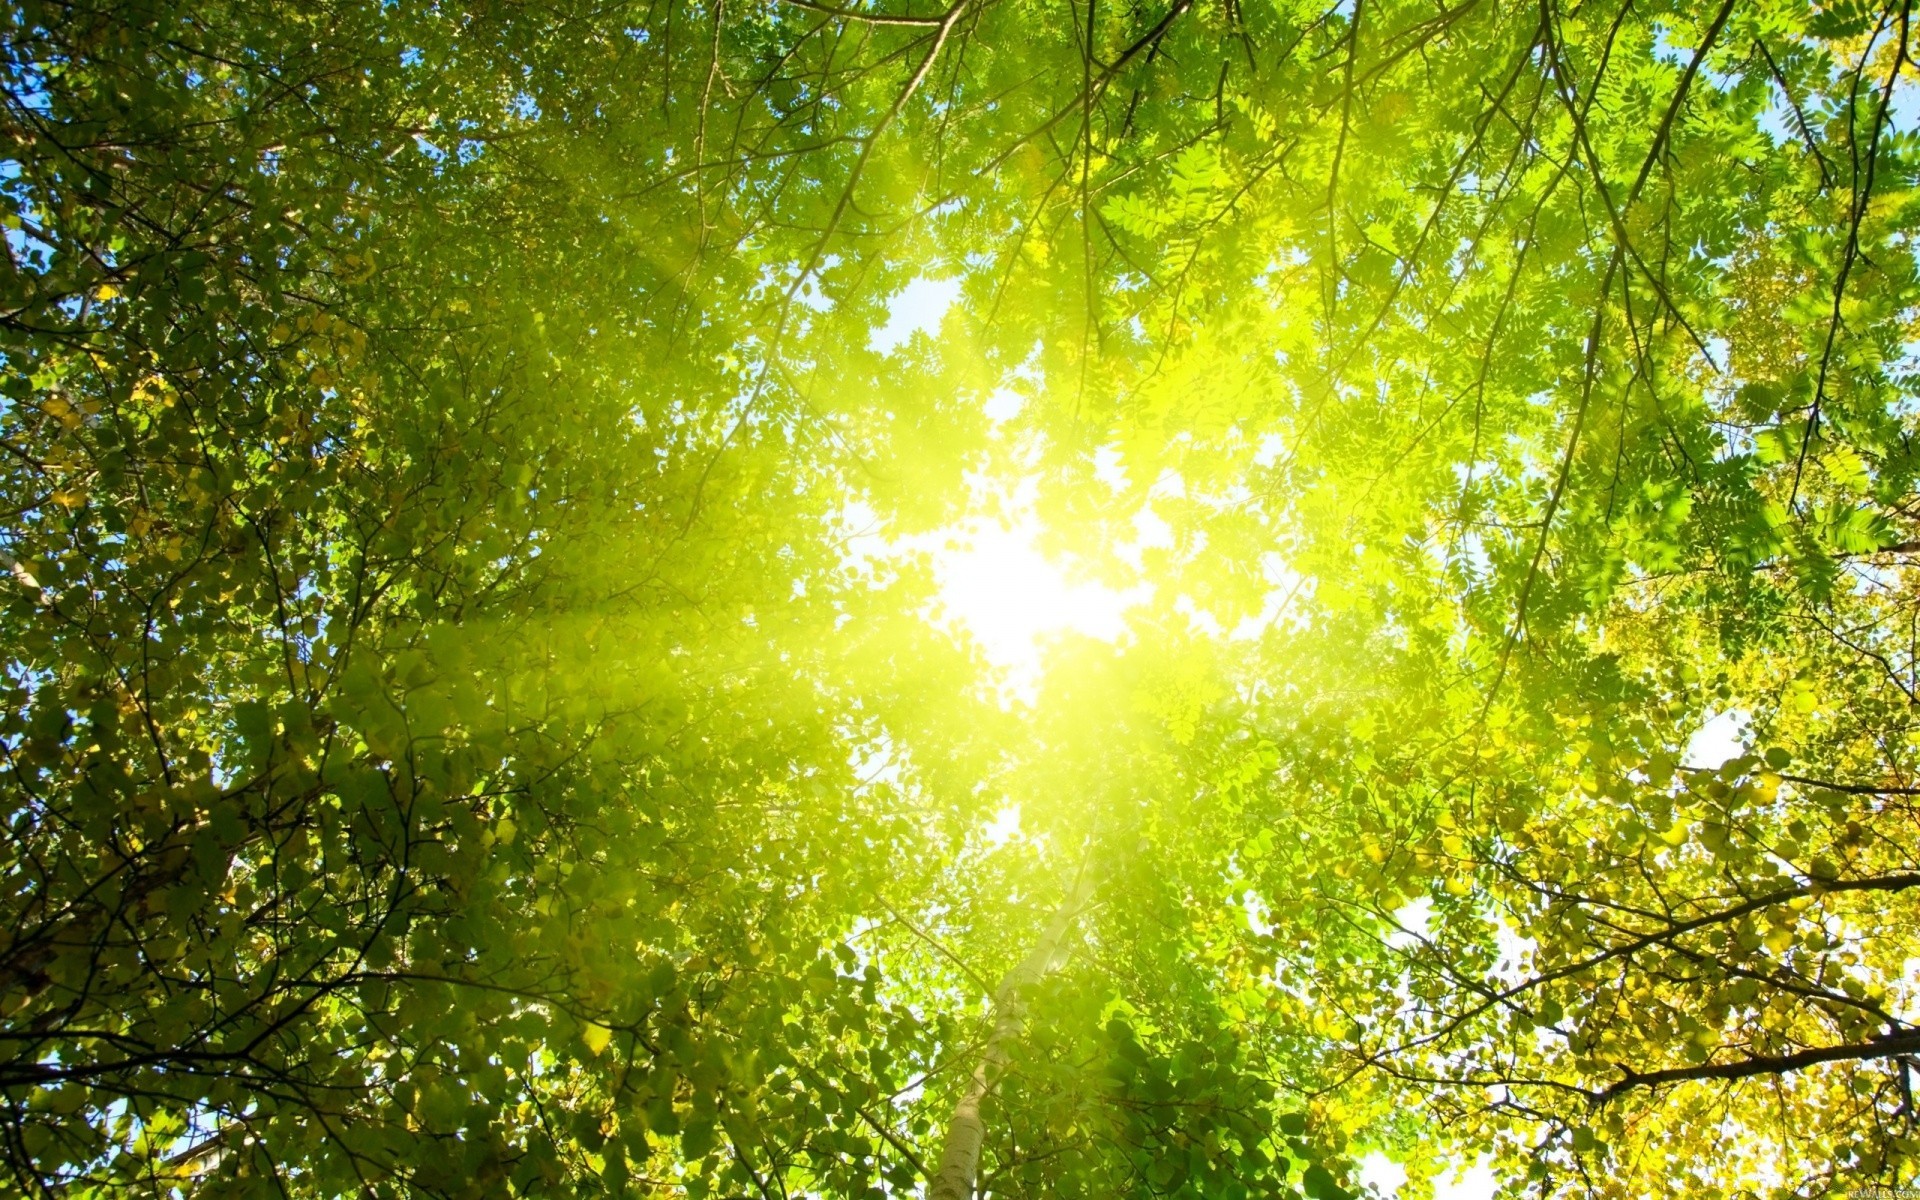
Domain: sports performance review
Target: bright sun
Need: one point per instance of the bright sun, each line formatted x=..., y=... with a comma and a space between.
x=994, y=583
x=994, y=580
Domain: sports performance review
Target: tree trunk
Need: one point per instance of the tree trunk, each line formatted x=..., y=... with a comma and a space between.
x=959, y=1167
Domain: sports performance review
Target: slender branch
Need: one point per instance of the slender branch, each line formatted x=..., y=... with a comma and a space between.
x=866, y=18
x=1778, y=1064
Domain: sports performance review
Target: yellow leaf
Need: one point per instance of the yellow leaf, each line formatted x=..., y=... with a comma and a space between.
x=596, y=1037
x=61, y=411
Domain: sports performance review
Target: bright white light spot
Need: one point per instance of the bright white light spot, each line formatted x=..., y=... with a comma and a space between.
x=1256, y=910
x=1381, y=1175
x=1516, y=954
x=1108, y=468
x=1469, y=1183
x=1199, y=618
x=862, y=537
x=1152, y=530
x=1720, y=739
x=1415, y=919
x=1004, y=827
x=877, y=764
x=1003, y=405
x=916, y=308
x=1011, y=597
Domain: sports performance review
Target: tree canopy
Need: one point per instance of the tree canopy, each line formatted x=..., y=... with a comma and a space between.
x=484, y=713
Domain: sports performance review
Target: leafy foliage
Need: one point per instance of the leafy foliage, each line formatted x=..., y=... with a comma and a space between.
x=460, y=739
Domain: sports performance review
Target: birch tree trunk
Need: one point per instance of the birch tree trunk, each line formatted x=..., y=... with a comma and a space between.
x=959, y=1167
